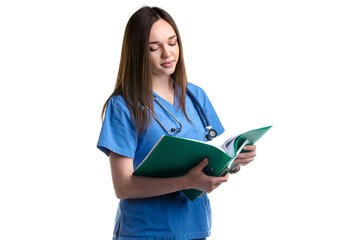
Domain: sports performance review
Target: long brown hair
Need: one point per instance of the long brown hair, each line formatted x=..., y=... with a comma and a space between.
x=133, y=82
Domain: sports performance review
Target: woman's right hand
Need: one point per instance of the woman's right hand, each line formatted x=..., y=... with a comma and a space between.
x=199, y=180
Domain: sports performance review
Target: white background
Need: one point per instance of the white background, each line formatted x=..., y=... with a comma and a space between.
x=291, y=64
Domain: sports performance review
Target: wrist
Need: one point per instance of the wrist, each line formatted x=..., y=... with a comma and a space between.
x=183, y=182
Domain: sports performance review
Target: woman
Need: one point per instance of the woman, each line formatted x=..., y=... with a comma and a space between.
x=152, y=84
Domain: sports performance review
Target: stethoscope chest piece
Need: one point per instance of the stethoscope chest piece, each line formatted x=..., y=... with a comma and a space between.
x=174, y=131
x=211, y=134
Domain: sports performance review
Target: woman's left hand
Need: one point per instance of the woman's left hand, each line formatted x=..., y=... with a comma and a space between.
x=244, y=158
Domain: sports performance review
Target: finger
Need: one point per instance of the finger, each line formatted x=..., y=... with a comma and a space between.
x=244, y=155
x=246, y=163
x=212, y=187
x=250, y=147
x=243, y=161
x=219, y=180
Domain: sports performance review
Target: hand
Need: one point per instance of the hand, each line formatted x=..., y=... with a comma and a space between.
x=245, y=157
x=199, y=180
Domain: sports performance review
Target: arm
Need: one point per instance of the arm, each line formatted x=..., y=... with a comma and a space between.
x=127, y=185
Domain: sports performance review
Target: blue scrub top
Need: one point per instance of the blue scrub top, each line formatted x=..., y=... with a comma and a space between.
x=170, y=216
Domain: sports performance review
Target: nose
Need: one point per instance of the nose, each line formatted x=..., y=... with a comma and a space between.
x=165, y=52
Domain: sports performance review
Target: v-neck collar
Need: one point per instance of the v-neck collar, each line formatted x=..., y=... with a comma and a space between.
x=164, y=101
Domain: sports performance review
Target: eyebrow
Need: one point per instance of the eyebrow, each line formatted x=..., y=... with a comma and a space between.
x=155, y=42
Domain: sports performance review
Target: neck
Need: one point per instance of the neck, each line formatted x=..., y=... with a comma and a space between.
x=164, y=87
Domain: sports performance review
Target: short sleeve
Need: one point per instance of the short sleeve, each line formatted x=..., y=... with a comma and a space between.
x=208, y=108
x=118, y=132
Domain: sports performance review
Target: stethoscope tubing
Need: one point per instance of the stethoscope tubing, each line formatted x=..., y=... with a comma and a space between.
x=158, y=120
x=199, y=109
x=210, y=133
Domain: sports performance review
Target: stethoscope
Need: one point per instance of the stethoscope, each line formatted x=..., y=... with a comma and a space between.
x=210, y=133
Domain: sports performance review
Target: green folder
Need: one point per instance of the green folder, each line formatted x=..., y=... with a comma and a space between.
x=174, y=157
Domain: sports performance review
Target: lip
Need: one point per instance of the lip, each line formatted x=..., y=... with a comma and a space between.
x=168, y=64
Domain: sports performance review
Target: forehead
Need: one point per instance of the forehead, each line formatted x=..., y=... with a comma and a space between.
x=161, y=30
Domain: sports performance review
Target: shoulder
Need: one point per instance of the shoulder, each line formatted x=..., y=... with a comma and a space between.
x=196, y=90
x=117, y=100
x=117, y=103
x=199, y=93
x=117, y=109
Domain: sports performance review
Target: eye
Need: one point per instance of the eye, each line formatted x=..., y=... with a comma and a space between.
x=172, y=44
x=153, y=49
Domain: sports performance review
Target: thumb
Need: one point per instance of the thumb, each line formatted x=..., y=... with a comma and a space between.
x=202, y=164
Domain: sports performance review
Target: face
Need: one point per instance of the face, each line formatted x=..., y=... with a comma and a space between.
x=164, y=49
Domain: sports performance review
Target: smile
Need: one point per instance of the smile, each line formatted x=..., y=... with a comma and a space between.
x=168, y=64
